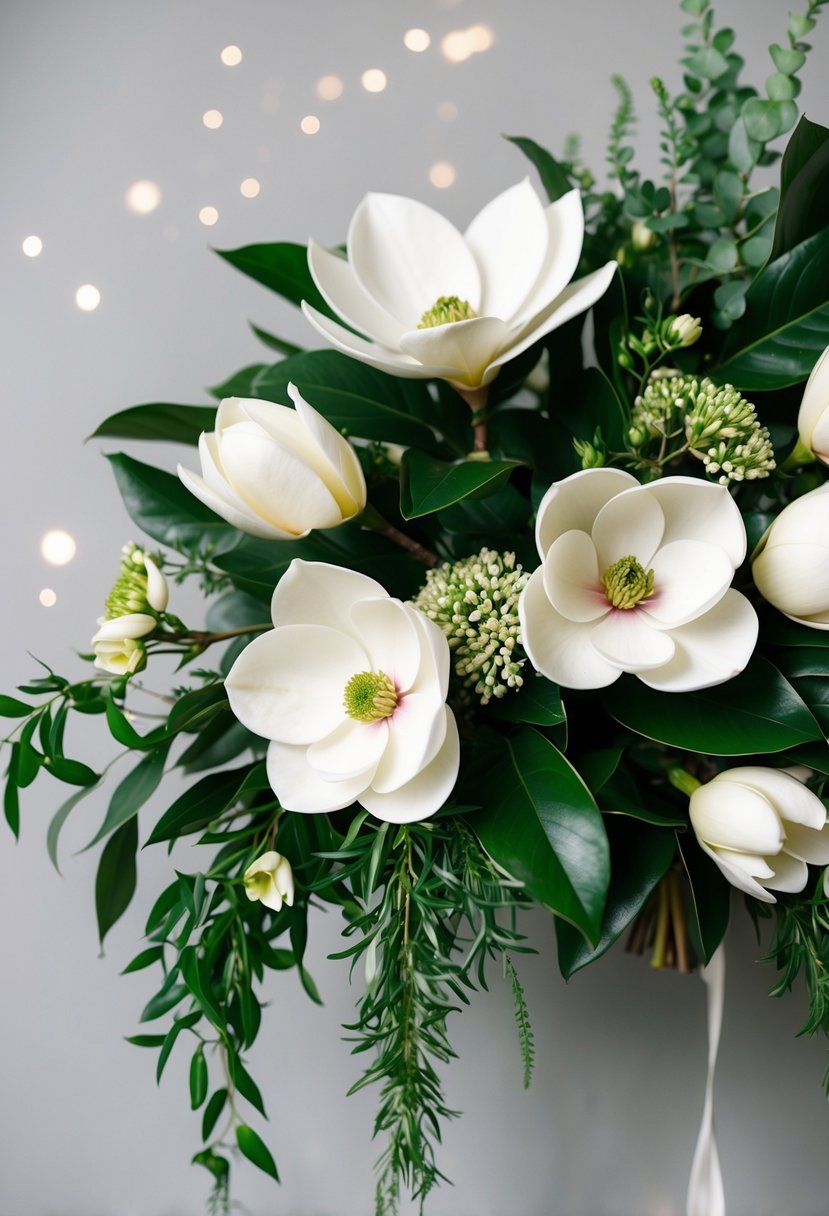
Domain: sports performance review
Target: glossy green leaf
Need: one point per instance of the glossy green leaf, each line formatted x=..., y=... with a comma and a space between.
x=756, y=712
x=281, y=266
x=144, y=1040
x=193, y=710
x=10, y=707
x=538, y=701
x=116, y=877
x=252, y=1147
x=275, y=343
x=710, y=898
x=158, y=503
x=245, y=1083
x=132, y=792
x=804, y=187
x=158, y=420
x=540, y=823
x=172, y=1035
x=198, y=1078
x=640, y=856
x=503, y=513
x=196, y=977
x=553, y=178
x=11, y=798
x=212, y=1112
x=785, y=326
x=163, y=1002
x=153, y=954
x=203, y=802
x=73, y=772
x=428, y=484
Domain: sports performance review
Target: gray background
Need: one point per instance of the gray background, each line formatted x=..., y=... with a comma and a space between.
x=95, y=96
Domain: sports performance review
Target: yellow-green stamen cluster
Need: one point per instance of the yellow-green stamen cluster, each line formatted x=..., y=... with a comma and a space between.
x=370, y=696
x=129, y=594
x=475, y=603
x=626, y=583
x=445, y=310
x=714, y=423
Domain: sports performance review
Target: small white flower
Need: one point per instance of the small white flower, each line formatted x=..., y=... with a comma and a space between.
x=270, y=879
x=120, y=655
x=791, y=563
x=813, y=418
x=275, y=472
x=684, y=330
x=762, y=827
x=637, y=578
x=350, y=687
x=429, y=302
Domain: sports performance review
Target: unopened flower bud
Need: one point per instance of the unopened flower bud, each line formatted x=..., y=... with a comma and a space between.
x=270, y=879
x=683, y=330
x=642, y=237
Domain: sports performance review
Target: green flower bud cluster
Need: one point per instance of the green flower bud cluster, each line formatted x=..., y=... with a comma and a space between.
x=714, y=423
x=475, y=602
x=129, y=594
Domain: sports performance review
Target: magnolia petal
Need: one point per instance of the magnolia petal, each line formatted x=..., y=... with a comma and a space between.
x=278, y=487
x=417, y=729
x=627, y=640
x=279, y=692
x=352, y=749
x=573, y=301
x=239, y=515
x=345, y=477
x=711, y=649
x=299, y=788
x=406, y=255
x=565, y=234
x=467, y=347
x=266, y=864
x=735, y=817
x=572, y=580
x=807, y=843
x=390, y=637
x=795, y=577
x=509, y=239
x=375, y=355
x=131, y=625
x=573, y=503
x=812, y=421
x=317, y=593
x=630, y=525
x=794, y=802
x=700, y=510
x=157, y=590
x=689, y=578
x=425, y=793
x=343, y=291
x=801, y=521
x=434, y=655
x=737, y=875
x=790, y=873
x=560, y=649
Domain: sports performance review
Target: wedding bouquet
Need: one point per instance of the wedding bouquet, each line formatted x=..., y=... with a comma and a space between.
x=517, y=592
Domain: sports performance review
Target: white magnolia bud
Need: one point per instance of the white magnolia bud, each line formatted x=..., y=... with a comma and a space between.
x=791, y=563
x=813, y=418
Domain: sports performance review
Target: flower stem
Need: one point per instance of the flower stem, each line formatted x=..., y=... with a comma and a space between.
x=682, y=780
x=372, y=518
x=476, y=398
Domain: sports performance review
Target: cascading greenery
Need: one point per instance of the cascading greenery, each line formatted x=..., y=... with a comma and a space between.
x=426, y=906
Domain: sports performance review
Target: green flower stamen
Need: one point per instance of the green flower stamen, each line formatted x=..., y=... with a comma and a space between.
x=370, y=696
x=626, y=583
x=445, y=310
x=258, y=882
x=129, y=594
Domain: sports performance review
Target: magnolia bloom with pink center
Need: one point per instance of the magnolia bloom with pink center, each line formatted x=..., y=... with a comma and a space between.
x=350, y=687
x=636, y=578
x=813, y=417
x=420, y=299
x=762, y=827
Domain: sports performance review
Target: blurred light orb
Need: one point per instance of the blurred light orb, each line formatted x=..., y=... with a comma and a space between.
x=212, y=119
x=47, y=597
x=87, y=297
x=442, y=174
x=310, y=124
x=230, y=56
x=143, y=197
x=32, y=246
x=250, y=187
x=416, y=40
x=208, y=216
x=57, y=547
x=459, y=45
x=329, y=88
x=373, y=80
x=447, y=111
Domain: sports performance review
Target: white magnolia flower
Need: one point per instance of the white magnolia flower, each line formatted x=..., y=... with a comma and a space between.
x=270, y=879
x=428, y=302
x=350, y=687
x=276, y=472
x=791, y=563
x=120, y=655
x=813, y=418
x=637, y=578
x=761, y=826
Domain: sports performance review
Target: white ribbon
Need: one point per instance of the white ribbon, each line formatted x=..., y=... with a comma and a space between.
x=705, y=1190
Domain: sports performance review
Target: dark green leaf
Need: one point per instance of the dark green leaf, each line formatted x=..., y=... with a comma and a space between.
x=503, y=513
x=153, y=954
x=172, y=1035
x=245, y=1083
x=145, y=1040
x=73, y=772
x=756, y=712
x=212, y=1112
x=553, y=178
x=159, y=504
x=428, y=484
x=252, y=1147
x=116, y=876
x=195, y=976
x=640, y=856
x=192, y=711
x=540, y=823
x=537, y=701
x=784, y=330
x=158, y=420
x=203, y=802
x=163, y=1002
x=198, y=1078
x=710, y=895
x=804, y=185
x=11, y=798
x=59, y=819
x=28, y=759
x=283, y=267
x=275, y=343
x=131, y=794
x=10, y=707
